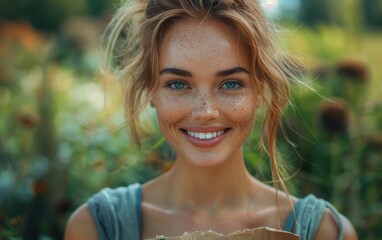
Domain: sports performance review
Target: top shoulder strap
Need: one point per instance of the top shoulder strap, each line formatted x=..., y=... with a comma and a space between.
x=117, y=212
x=309, y=212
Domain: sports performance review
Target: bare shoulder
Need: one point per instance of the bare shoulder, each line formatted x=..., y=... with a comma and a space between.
x=328, y=228
x=81, y=225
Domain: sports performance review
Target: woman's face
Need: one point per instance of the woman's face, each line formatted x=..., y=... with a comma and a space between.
x=205, y=98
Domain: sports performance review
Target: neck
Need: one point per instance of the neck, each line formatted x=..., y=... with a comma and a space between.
x=196, y=189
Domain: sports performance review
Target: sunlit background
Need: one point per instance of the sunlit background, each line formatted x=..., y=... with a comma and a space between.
x=61, y=122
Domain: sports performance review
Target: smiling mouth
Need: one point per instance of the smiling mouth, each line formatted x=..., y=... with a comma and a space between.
x=205, y=135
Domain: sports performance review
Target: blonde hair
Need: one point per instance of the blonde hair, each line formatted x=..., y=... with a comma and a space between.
x=132, y=41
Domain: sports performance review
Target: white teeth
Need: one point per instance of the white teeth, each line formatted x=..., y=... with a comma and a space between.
x=205, y=135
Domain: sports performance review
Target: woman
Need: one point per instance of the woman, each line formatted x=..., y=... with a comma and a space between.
x=205, y=66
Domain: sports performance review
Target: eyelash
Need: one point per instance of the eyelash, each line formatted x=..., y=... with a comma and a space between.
x=171, y=85
x=238, y=84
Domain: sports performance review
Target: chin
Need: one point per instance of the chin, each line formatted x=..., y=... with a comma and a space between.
x=208, y=160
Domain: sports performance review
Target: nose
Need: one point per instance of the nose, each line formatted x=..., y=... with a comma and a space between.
x=205, y=108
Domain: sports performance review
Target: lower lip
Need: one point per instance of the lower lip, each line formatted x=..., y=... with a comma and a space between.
x=205, y=143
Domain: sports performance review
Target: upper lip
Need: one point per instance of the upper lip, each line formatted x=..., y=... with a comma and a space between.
x=204, y=129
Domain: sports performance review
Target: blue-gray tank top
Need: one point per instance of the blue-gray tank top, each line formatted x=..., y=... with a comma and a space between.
x=117, y=213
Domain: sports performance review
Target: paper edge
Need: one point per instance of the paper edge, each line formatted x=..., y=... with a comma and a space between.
x=212, y=233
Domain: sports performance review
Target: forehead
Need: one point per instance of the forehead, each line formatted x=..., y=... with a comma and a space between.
x=201, y=40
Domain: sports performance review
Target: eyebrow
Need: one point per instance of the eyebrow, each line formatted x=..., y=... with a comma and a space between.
x=231, y=71
x=185, y=73
x=175, y=71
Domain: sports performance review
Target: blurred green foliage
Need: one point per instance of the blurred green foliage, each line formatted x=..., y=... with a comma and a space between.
x=50, y=14
x=367, y=13
x=62, y=135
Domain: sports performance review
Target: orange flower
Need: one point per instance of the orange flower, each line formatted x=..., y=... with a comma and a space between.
x=28, y=120
x=39, y=187
x=16, y=221
x=22, y=33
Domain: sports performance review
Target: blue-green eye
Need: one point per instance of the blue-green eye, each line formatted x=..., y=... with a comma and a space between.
x=177, y=85
x=231, y=85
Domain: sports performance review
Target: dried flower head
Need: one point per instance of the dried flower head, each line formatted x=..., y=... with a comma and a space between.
x=334, y=117
x=353, y=69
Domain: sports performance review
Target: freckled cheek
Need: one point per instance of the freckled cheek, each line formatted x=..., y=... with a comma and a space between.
x=240, y=110
x=171, y=109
